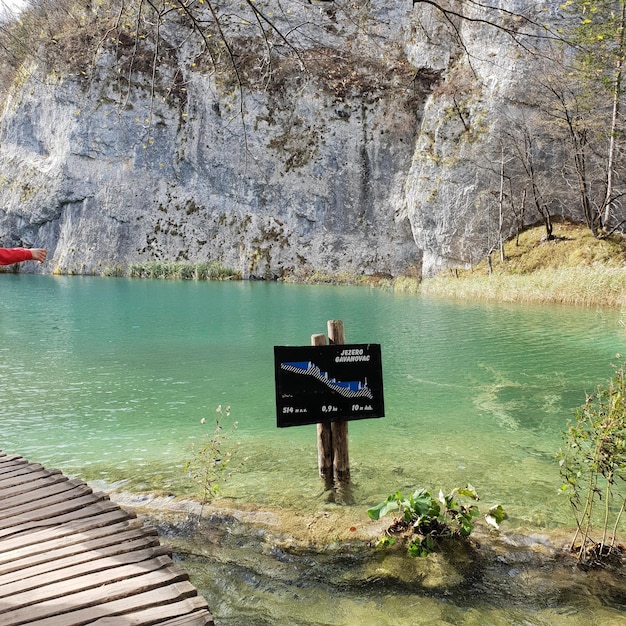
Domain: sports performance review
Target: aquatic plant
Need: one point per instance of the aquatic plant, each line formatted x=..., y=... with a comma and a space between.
x=593, y=467
x=428, y=520
x=112, y=270
x=213, y=459
x=183, y=270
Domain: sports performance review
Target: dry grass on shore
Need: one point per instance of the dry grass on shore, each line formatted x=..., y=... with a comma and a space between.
x=574, y=268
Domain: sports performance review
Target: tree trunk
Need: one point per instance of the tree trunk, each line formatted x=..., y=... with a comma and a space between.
x=617, y=89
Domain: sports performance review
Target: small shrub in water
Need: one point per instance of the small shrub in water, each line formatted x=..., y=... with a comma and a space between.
x=428, y=520
x=212, y=461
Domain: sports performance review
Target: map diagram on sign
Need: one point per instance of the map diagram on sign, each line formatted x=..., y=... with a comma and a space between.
x=348, y=389
x=317, y=384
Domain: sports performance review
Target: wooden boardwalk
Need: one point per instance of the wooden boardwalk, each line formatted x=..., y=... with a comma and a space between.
x=69, y=556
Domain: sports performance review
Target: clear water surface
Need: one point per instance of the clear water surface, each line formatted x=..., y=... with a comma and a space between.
x=110, y=379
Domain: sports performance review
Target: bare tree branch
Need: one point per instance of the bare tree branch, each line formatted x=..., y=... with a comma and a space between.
x=535, y=30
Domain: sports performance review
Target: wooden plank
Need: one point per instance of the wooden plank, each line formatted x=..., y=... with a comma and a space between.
x=132, y=576
x=154, y=598
x=46, y=512
x=42, y=577
x=189, y=612
x=191, y=620
x=28, y=482
x=49, y=497
x=12, y=461
x=66, y=561
x=75, y=514
x=4, y=455
x=26, y=478
x=160, y=587
x=42, y=494
x=97, y=520
x=100, y=539
x=15, y=467
x=20, y=470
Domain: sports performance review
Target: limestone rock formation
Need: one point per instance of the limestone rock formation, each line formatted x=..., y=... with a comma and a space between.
x=356, y=154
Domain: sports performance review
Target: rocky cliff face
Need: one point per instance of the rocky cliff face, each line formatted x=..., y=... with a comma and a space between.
x=356, y=155
x=470, y=123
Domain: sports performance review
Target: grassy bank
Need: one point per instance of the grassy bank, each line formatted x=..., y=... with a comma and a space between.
x=574, y=268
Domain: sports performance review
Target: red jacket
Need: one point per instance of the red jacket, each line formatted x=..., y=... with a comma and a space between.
x=8, y=256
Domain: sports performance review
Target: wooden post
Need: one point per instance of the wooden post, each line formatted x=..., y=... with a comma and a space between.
x=339, y=430
x=324, y=437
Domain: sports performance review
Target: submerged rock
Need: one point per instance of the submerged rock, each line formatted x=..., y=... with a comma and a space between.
x=260, y=566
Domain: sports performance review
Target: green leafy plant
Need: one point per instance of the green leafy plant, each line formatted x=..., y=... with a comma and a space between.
x=429, y=520
x=215, y=458
x=593, y=467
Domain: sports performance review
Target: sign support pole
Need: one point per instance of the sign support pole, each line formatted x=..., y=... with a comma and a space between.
x=324, y=437
x=339, y=430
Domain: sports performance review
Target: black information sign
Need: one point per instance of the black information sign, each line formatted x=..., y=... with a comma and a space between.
x=328, y=383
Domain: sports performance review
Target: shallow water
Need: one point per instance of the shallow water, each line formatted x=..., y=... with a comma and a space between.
x=517, y=579
x=109, y=379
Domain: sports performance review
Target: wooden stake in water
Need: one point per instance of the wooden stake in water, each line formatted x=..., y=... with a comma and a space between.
x=324, y=442
x=339, y=430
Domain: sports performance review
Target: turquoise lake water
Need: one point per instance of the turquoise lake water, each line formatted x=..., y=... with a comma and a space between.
x=110, y=379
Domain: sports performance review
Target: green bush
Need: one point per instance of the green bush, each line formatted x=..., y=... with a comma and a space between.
x=593, y=467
